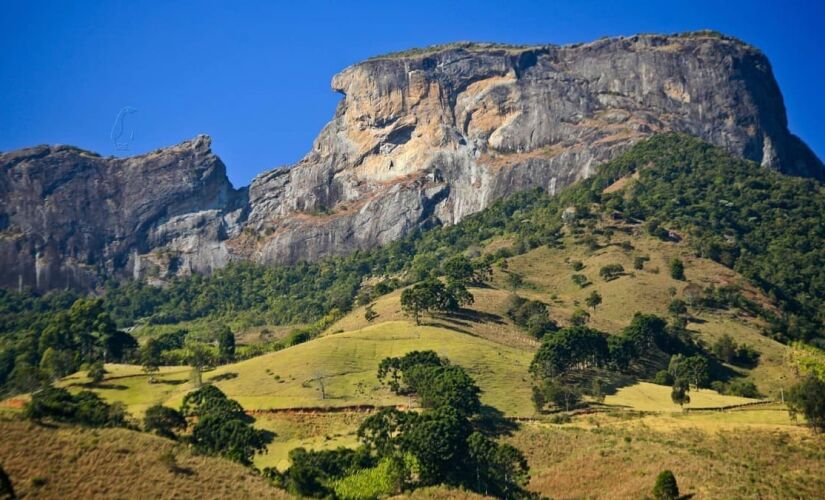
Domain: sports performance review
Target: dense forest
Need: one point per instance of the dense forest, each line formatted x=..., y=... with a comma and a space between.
x=765, y=225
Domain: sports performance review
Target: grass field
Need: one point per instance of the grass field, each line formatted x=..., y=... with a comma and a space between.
x=72, y=462
x=645, y=396
x=711, y=458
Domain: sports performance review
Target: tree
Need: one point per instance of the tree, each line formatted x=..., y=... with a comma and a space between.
x=6, y=488
x=611, y=271
x=438, y=440
x=96, y=372
x=665, y=487
x=574, y=348
x=579, y=317
x=150, y=358
x=163, y=421
x=226, y=343
x=677, y=269
x=57, y=363
x=232, y=438
x=580, y=280
x=639, y=263
x=690, y=370
x=677, y=307
x=369, y=313
x=500, y=469
x=198, y=357
x=593, y=300
x=679, y=394
x=459, y=269
x=725, y=348
x=808, y=398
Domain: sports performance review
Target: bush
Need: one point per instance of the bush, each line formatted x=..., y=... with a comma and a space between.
x=666, y=487
x=580, y=279
x=808, y=398
x=611, y=271
x=639, y=263
x=163, y=420
x=677, y=269
x=85, y=408
x=743, y=388
x=663, y=377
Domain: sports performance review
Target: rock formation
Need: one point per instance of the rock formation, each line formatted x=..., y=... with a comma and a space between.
x=422, y=137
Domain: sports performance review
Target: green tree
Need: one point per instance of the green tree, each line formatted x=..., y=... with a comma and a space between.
x=199, y=357
x=6, y=488
x=677, y=307
x=677, y=269
x=438, y=440
x=459, y=269
x=611, y=271
x=679, y=394
x=808, y=398
x=593, y=300
x=665, y=487
x=226, y=343
x=580, y=280
x=580, y=317
x=232, y=438
x=163, y=421
x=150, y=358
x=96, y=372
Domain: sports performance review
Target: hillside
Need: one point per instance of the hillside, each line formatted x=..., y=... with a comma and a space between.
x=67, y=462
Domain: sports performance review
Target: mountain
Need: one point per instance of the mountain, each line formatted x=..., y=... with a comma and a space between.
x=420, y=138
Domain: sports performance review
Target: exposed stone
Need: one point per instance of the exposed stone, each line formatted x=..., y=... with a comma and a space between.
x=419, y=138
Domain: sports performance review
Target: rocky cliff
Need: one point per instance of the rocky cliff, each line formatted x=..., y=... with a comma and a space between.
x=422, y=137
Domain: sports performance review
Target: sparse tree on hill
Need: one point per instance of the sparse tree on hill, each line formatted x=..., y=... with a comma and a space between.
x=514, y=280
x=677, y=269
x=665, y=487
x=97, y=372
x=580, y=317
x=593, y=300
x=679, y=394
x=198, y=357
x=808, y=398
x=150, y=358
x=369, y=313
x=226, y=343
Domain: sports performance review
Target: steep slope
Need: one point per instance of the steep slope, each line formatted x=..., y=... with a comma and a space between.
x=69, y=217
x=420, y=138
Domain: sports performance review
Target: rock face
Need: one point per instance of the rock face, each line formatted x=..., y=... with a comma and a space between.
x=420, y=138
x=69, y=218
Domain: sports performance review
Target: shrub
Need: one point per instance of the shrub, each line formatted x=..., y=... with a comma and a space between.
x=611, y=271
x=163, y=420
x=677, y=269
x=639, y=263
x=580, y=279
x=665, y=487
x=808, y=398
x=663, y=377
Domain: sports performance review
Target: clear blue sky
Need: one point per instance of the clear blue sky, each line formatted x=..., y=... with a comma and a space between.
x=255, y=75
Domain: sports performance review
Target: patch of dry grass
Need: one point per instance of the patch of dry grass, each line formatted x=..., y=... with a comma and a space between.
x=72, y=462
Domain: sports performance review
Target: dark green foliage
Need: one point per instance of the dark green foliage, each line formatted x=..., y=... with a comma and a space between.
x=639, y=263
x=84, y=408
x=438, y=440
x=571, y=348
x=394, y=371
x=577, y=265
x=222, y=427
x=210, y=400
x=6, y=488
x=692, y=370
x=500, y=469
x=310, y=472
x=531, y=315
x=593, y=300
x=219, y=434
x=432, y=379
x=226, y=343
x=163, y=421
x=679, y=394
x=808, y=398
x=431, y=296
x=742, y=388
x=677, y=307
x=728, y=351
x=554, y=390
x=665, y=487
x=611, y=271
x=96, y=372
x=677, y=269
x=580, y=280
x=663, y=377
x=369, y=313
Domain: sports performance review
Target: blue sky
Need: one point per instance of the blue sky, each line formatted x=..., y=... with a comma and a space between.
x=255, y=75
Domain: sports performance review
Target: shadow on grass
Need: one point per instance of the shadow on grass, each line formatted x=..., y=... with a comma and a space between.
x=223, y=376
x=92, y=385
x=492, y=422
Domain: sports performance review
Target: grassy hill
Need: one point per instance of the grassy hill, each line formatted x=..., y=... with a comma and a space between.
x=71, y=462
